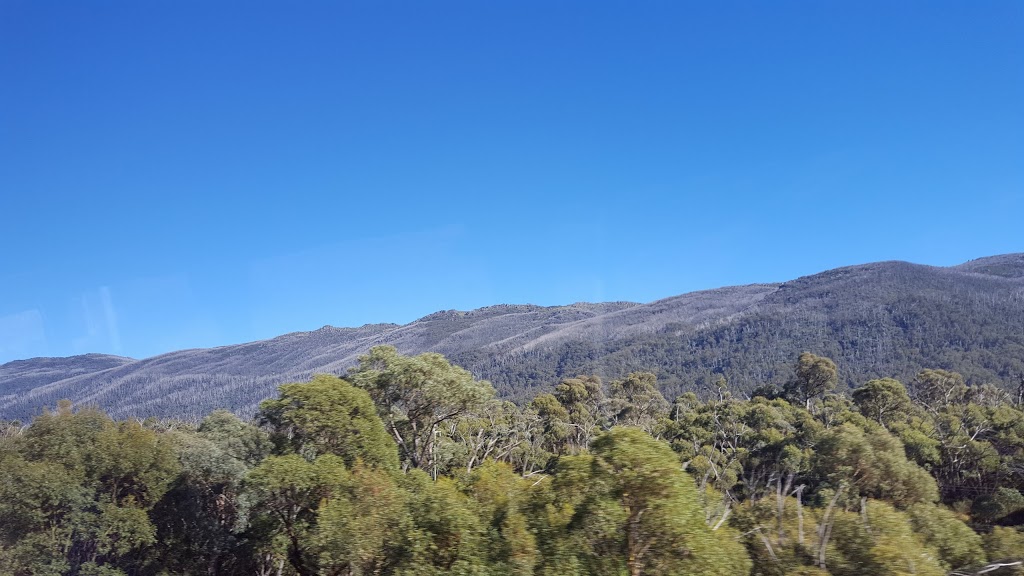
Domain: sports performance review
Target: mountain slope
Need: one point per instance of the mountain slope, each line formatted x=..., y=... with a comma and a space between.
x=880, y=319
x=21, y=376
x=875, y=320
x=1006, y=265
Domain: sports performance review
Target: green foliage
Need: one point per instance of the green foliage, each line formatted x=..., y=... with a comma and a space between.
x=557, y=429
x=558, y=487
x=283, y=496
x=500, y=496
x=239, y=440
x=196, y=519
x=1004, y=543
x=1002, y=502
x=415, y=396
x=872, y=463
x=815, y=375
x=957, y=545
x=883, y=400
x=76, y=493
x=498, y=430
x=329, y=416
x=636, y=401
x=446, y=535
x=643, y=508
x=583, y=398
x=937, y=388
x=880, y=541
x=359, y=529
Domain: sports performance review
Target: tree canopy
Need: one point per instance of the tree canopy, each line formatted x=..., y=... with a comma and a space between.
x=409, y=466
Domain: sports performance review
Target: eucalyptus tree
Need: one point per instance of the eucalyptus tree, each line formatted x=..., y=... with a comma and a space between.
x=640, y=513
x=282, y=501
x=76, y=491
x=583, y=399
x=884, y=400
x=328, y=415
x=636, y=401
x=814, y=376
x=416, y=396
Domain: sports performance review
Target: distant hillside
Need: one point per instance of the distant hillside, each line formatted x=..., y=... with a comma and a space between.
x=21, y=376
x=875, y=320
x=881, y=319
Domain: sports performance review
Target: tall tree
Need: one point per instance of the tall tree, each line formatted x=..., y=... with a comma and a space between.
x=362, y=528
x=557, y=429
x=328, y=415
x=883, y=400
x=284, y=494
x=636, y=401
x=583, y=398
x=935, y=388
x=815, y=375
x=415, y=396
x=640, y=504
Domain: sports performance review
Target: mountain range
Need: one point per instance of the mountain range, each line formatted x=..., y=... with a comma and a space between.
x=875, y=320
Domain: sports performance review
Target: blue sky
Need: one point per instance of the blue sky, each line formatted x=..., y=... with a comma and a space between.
x=179, y=174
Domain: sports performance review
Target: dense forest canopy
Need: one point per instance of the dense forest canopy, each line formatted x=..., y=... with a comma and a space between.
x=411, y=466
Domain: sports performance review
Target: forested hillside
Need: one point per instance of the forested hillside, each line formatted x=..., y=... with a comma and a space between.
x=411, y=466
x=876, y=320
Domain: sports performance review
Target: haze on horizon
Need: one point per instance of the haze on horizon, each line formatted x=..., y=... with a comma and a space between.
x=182, y=175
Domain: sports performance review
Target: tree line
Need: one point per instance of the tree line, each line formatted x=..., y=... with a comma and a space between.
x=873, y=329
x=410, y=466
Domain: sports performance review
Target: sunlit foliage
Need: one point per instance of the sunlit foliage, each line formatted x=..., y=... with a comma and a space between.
x=410, y=467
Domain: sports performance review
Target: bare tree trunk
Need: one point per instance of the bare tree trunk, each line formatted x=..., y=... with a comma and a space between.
x=825, y=530
x=767, y=544
x=781, y=492
x=800, y=515
x=864, y=514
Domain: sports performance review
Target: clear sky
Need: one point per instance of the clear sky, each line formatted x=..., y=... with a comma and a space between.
x=179, y=174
